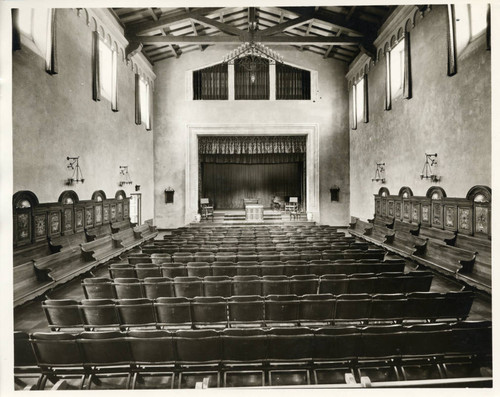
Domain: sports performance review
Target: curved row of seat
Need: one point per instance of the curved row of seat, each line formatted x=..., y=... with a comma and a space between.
x=391, y=352
x=232, y=256
x=254, y=285
x=272, y=310
x=251, y=268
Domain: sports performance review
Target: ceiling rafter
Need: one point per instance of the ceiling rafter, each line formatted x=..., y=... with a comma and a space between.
x=223, y=27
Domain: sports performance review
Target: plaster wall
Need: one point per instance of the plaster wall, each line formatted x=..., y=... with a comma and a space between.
x=174, y=112
x=55, y=116
x=450, y=116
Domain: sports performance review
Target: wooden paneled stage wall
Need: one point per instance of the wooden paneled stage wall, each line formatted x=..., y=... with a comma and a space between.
x=227, y=184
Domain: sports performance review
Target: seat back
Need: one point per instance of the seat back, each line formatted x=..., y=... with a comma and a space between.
x=62, y=313
x=289, y=344
x=98, y=288
x=339, y=343
x=98, y=313
x=188, y=287
x=198, y=346
x=120, y=270
x=246, y=310
x=144, y=270
x=275, y=285
x=355, y=307
x=244, y=345
x=281, y=309
x=172, y=270
x=157, y=287
x=316, y=308
x=136, y=312
x=198, y=269
x=173, y=312
x=56, y=349
x=247, y=285
x=217, y=286
x=209, y=310
x=128, y=288
x=150, y=347
x=104, y=348
x=335, y=284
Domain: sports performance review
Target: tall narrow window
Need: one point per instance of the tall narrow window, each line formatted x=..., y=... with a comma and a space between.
x=292, y=83
x=105, y=72
x=251, y=78
x=144, y=100
x=38, y=26
x=211, y=82
x=397, y=69
x=465, y=23
x=360, y=100
x=354, y=119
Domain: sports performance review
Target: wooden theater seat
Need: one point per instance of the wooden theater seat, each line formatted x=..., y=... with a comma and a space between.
x=145, y=231
x=121, y=225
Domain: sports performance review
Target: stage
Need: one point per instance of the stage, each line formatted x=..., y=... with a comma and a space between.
x=237, y=216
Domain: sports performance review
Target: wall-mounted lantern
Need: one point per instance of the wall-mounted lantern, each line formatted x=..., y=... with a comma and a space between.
x=379, y=173
x=77, y=175
x=427, y=170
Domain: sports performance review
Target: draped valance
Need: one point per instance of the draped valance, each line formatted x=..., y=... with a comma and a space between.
x=251, y=145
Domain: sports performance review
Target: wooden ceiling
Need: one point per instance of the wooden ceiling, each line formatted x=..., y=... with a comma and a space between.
x=339, y=32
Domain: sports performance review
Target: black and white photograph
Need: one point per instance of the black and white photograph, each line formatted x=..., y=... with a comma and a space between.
x=267, y=198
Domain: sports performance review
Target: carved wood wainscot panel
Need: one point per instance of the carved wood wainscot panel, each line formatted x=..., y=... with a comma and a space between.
x=390, y=208
x=98, y=214
x=119, y=211
x=40, y=226
x=23, y=227
x=450, y=217
x=399, y=210
x=383, y=207
x=426, y=214
x=465, y=220
x=113, y=212
x=126, y=209
x=105, y=213
x=481, y=219
x=406, y=210
x=89, y=217
x=54, y=223
x=68, y=220
x=377, y=207
x=415, y=211
x=79, y=219
x=437, y=214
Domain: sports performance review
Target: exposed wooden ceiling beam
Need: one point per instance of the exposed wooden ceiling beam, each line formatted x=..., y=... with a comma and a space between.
x=277, y=40
x=223, y=27
x=252, y=19
x=195, y=31
x=327, y=53
x=336, y=20
x=308, y=30
x=291, y=23
x=151, y=26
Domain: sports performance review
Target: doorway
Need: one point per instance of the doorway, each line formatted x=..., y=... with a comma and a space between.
x=135, y=208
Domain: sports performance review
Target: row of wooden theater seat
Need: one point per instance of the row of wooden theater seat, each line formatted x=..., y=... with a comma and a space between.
x=35, y=277
x=465, y=257
x=278, y=356
x=252, y=268
x=253, y=310
x=233, y=256
x=417, y=281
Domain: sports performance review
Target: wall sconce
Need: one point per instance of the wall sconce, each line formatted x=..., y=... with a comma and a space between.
x=379, y=173
x=124, y=176
x=427, y=171
x=169, y=195
x=334, y=193
x=77, y=176
x=137, y=188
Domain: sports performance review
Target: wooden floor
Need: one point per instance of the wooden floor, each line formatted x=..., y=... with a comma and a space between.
x=30, y=317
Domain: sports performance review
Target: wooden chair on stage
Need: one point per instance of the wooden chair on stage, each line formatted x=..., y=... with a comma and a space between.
x=207, y=209
x=293, y=207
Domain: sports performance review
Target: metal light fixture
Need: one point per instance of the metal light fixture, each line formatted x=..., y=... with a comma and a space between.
x=427, y=170
x=379, y=173
x=124, y=175
x=250, y=55
x=77, y=176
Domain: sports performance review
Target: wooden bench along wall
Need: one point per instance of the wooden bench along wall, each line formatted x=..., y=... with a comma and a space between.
x=452, y=235
x=50, y=242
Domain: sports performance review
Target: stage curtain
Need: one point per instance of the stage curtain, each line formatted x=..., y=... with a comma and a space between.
x=251, y=84
x=292, y=83
x=251, y=144
x=211, y=82
x=228, y=184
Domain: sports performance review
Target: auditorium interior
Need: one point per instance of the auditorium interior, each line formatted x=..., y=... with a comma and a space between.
x=252, y=197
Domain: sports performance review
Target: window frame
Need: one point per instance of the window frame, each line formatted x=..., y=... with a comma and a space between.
x=400, y=47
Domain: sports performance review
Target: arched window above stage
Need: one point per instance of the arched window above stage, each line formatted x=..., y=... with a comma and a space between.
x=405, y=192
x=435, y=193
x=68, y=197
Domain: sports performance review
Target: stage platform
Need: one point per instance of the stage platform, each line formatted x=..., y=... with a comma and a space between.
x=237, y=216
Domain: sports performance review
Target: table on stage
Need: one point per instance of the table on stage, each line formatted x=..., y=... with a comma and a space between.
x=254, y=212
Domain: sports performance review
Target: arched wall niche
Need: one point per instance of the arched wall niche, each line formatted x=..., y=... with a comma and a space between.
x=23, y=197
x=479, y=190
x=435, y=193
x=68, y=197
x=98, y=195
x=383, y=192
x=405, y=192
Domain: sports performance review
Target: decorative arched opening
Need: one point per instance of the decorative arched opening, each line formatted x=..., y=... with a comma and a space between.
x=383, y=192
x=481, y=197
x=98, y=196
x=68, y=197
x=479, y=193
x=435, y=193
x=405, y=192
